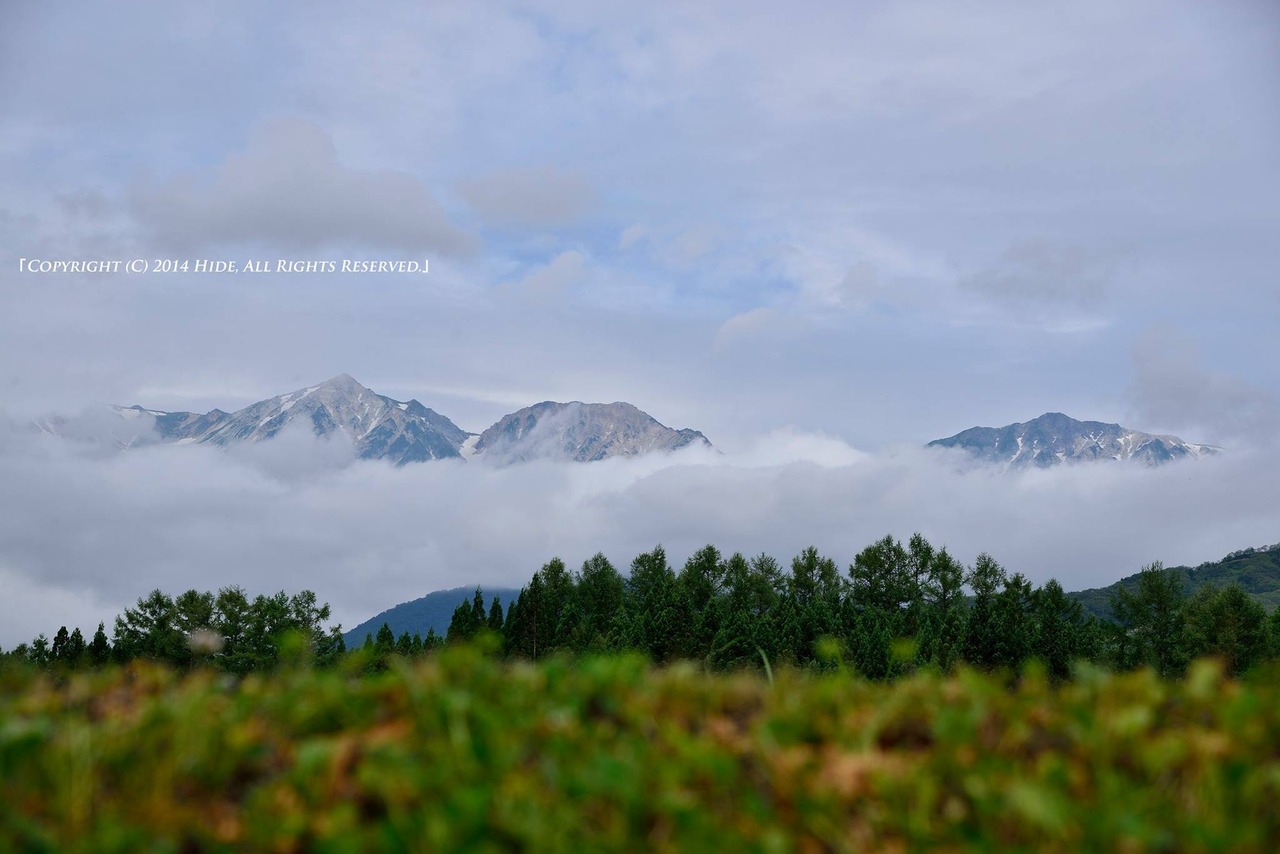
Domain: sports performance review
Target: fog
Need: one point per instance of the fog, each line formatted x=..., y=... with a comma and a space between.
x=83, y=534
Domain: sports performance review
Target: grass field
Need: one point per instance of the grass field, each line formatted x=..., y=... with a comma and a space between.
x=465, y=753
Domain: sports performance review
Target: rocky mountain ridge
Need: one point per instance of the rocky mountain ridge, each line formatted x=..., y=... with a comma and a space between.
x=383, y=428
x=1054, y=438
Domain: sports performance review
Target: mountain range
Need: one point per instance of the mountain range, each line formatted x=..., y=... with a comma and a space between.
x=401, y=432
x=1054, y=438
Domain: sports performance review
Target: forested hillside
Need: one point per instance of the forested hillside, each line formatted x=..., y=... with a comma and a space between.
x=431, y=613
x=1257, y=570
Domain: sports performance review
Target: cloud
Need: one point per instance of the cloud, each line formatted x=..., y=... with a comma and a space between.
x=81, y=537
x=551, y=281
x=691, y=245
x=535, y=197
x=287, y=190
x=632, y=235
x=860, y=285
x=755, y=324
x=1172, y=389
x=1039, y=274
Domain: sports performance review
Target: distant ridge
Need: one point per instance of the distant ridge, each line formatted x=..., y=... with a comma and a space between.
x=433, y=611
x=1054, y=438
x=1257, y=570
x=382, y=428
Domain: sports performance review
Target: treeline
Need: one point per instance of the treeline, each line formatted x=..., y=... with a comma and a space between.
x=898, y=607
x=226, y=630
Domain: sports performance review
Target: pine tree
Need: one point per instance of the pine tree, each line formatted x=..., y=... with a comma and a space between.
x=700, y=584
x=1229, y=624
x=231, y=621
x=385, y=643
x=1014, y=626
x=1060, y=628
x=1150, y=622
x=331, y=648
x=813, y=597
x=58, y=652
x=600, y=590
x=99, y=647
x=982, y=632
x=648, y=614
x=75, y=650
x=39, y=654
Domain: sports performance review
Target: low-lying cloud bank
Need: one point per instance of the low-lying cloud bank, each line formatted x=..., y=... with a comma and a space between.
x=83, y=534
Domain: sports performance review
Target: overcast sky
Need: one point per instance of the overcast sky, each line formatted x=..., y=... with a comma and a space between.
x=822, y=234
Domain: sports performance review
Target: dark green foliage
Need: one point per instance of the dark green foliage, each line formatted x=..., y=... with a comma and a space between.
x=1014, y=626
x=900, y=608
x=600, y=590
x=748, y=623
x=432, y=612
x=1062, y=632
x=648, y=618
x=99, y=648
x=811, y=606
x=468, y=619
x=1149, y=628
x=1257, y=570
x=1227, y=623
x=698, y=608
x=982, y=642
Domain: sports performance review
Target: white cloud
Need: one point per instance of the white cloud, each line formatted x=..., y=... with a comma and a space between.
x=367, y=536
x=1043, y=273
x=632, y=236
x=749, y=324
x=287, y=190
x=552, y=280
x=1172, y=389
x=536, y=197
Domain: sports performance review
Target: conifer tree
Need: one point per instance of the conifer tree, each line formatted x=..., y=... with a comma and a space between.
x=1229, y=624
x=1149, y=624
x=600, y=590
x=495, y=616
x=982, y=633
x=99, y=647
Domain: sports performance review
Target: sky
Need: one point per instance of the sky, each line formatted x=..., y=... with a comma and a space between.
x=822, y=234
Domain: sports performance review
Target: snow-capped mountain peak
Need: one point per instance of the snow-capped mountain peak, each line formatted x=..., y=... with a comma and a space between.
x=581, y=432
x=1055, y=438
x=380, y=427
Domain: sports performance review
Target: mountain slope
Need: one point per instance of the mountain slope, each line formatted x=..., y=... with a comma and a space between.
x=379, y=427
x=580, y=432
x=1054, y=438
x=382, y=428
x=433, y=611
x=1256, y=570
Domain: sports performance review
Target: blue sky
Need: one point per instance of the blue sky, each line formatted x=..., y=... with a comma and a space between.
x=878, y=223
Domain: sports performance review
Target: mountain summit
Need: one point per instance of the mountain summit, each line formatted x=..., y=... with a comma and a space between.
x=580, y=432
x=378, y=427
x=382, y=428
x=1054, y=438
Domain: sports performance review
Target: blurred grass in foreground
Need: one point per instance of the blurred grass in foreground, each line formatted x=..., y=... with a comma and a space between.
x=465, y=753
